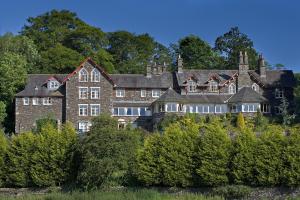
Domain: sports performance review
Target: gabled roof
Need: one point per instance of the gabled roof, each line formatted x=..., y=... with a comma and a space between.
x=164, y=80
x=36, y=86
x=275, y=78
x=247, y=95
x=171, y=96
x=90, y=60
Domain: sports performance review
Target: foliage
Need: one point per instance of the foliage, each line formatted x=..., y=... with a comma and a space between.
x=166, y=121
x=18, y=161
x=40, y=123
x=177, y=153
x=291, y=156
x=132, y=52
x=2, y=113
x=197, y=54
x=231, y=43
x=106, y=153
x=243, y=162
x=240, y=121
x=260, y=122
x=3, y=151
x=51, y=160
x=268, y=157
x=287, y=118
x=233, y=191
x=213, y=155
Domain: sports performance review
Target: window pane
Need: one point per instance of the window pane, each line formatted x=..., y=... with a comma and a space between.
x=115, y=111
x=142, y=111
x=135, y=111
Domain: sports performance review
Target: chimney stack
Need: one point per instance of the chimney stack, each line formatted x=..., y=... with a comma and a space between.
x=179, y=64
x=262, y=67
x=149, y=73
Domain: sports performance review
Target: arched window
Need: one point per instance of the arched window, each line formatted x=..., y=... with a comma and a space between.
x=255, y=87
x=232, y=88
x=95, y=75
x=213, y=86
x=191, y=86
x=83, y=75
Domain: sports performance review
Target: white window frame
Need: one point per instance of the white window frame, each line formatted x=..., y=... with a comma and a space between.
x=255, y=87
x=192, y=86
x=92, y=107
x=84, y=126
x=265, y=108
x=232, y=88
x=120, y=93
x=80, y=96
x=83, y=113
x=93, y=89
x=170, y=106
x=53, y=84
x=47, y=101
x=95, y=75
x=154, y=93
x=83, y=75
x=35, y=101
x=26, y=101
x=220, y=107
x=279, y=93
x=143, y=93
x=213, y=86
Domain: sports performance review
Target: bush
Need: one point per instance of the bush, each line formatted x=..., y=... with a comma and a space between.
x=18, y=162
x=3, y=150
x=233, y=191
x=213, y=155
x=106, y=153
x=240, y=121
x=243, y=162
x=268, y=157
x=51, y=160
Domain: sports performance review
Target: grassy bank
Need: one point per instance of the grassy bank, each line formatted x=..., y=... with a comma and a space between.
x=143, y=194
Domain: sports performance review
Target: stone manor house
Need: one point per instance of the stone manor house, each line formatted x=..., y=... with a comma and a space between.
x=143, y=100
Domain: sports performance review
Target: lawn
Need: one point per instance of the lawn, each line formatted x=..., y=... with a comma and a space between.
x=113, y=195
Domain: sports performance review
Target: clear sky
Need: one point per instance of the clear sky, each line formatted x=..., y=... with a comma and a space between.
x=273, y=25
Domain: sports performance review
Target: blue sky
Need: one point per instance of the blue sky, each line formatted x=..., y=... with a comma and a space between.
x=273, y=25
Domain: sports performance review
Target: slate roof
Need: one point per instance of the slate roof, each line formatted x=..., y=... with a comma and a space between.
x=164, y=80
x=208, y=98
x=36, y=86
x=171, y=96
x=247, y=95
x=283, y=78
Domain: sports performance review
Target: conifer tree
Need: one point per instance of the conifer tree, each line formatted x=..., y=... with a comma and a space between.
x=240, y=121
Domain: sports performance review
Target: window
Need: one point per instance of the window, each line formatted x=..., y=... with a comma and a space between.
x=95, y=75
x=192, y=109
x=171, y=107
x=218, y=109
x=191, y=86
x=233, y=109
x=120, y=93
x=35, y=101
x=155, y=93
x=95, y=109
x=205, y=109
x=278, y=93
x=83, y=92
x=213, y=86
x=143, y=111
x=130, y=111
x=278, y=110
x=232, y=89
x=25, y=101
x=265, y=108
x=84, y=127
x=83, y=109
x=47, y=101
x=53, y=85
x=143, y=93
x=250, y=107
x=255, y=87
x=83, y=75
x=95, y=93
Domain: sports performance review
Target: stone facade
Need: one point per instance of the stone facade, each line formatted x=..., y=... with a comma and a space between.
x=143, y=100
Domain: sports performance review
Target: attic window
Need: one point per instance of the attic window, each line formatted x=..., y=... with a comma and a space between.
x=213, y=86
x=232, y=88
x=83, y=75
x=95, y=75
x=191, y=86
x=255, y=87
x=53, y=85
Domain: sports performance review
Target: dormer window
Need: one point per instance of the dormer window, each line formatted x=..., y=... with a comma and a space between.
x=83, y=75
x=53, y=84
x=255, y=87
x=232, y=88
x=278, y=93
x=191, y=86
x=213, y=86
x=95, y=75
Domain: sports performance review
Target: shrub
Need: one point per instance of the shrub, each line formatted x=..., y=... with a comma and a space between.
x=213, y=155
x=3, y=150
x=106, y=153
x=51, y=160
x=268, y=157
x=18, y=161
x=243, y=162
x=233, y=191
x=177, y=153
x=240, y=122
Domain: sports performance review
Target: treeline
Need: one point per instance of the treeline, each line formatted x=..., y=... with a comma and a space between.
x=192, y=151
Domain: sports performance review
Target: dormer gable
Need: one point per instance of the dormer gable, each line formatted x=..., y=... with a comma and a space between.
x=53, y=83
